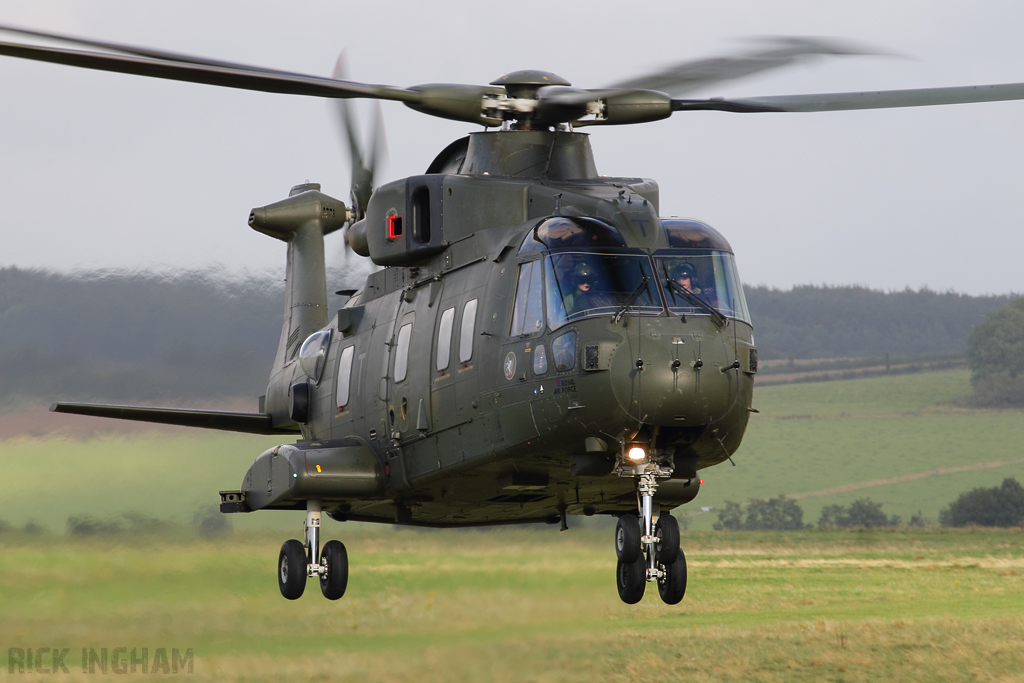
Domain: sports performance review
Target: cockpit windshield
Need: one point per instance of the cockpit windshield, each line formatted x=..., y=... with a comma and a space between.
x=693, y=277
x=581, y=284
x=572, y=268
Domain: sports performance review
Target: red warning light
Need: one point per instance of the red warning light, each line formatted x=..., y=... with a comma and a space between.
x=394, y=227
x=702, y=481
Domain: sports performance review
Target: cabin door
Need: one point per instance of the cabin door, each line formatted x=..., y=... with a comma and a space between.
x=409, y=410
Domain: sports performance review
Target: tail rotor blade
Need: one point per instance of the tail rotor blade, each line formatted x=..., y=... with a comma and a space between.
x=362, y=163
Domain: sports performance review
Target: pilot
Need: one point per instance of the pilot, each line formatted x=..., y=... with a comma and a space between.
x=684, y=275
x=583, y=296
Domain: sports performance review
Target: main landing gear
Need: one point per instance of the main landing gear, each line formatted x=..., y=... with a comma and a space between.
x=648, y=550
x=298, y=561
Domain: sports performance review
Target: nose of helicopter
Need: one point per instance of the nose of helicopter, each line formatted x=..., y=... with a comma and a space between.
x=675, y=378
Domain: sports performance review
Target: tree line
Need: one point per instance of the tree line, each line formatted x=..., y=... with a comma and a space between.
x=813, y=321
x=143, y=336
x=1000, y=506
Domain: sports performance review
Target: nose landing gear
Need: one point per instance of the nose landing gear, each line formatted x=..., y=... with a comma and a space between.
x=299, y=561
x=648, y=550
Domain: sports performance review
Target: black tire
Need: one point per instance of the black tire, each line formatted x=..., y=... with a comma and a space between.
x=672, y=587
x=667, y=530
x=291, y=569
x=631, y=580
x=333, y=584
x=627, y=538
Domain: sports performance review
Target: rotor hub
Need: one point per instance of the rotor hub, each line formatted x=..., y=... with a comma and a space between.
x=525, y=83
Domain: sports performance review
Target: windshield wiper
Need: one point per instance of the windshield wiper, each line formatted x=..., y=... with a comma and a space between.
x=632, y=297
x=674, y=286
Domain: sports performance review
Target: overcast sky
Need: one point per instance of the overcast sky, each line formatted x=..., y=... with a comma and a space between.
x=113, y=171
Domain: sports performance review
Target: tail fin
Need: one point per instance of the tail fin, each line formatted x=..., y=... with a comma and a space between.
x=301, y=220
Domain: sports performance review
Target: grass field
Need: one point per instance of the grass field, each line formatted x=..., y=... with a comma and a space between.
x=535, y=604
x=523, y=605
x=902, y=441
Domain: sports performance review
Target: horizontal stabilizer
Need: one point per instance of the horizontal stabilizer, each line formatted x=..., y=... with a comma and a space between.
x=250, y=423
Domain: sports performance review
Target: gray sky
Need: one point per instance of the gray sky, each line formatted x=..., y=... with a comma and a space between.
x=113, y=171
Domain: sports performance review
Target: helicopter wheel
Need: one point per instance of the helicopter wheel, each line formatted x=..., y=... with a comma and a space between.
x=672, y=584
x=631, y=580
x=334, y=581
x=667, y=530
x=291, y=569
x=627, y=538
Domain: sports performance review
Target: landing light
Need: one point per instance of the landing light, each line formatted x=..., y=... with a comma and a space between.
x=636, y=454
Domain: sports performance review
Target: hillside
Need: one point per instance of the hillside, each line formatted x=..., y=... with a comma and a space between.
x=898, y=440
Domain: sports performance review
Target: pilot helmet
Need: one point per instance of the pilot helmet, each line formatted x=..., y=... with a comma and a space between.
x=683, y=270
x=583, y=273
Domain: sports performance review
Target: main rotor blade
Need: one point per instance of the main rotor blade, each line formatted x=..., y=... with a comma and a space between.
x=240, y=77
x=135, y=50
x=687, y=76
x=882, y=99
x=450, y=101
x=562, y=103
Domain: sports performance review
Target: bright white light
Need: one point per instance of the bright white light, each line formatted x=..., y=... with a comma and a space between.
x=636, y=454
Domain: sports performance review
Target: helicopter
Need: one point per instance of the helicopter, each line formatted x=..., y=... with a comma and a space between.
x=540, y=342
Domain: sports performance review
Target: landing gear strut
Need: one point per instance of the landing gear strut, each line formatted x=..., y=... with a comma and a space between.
x=648, y=549
x=299, y=561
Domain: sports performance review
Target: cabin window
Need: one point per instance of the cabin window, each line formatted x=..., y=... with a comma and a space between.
x=402, y=350
x=344, y=376
x=468, y=328
x=444, y=339
x=584, y=284
x=528, y=312
x=563, y=351
x=540, y=360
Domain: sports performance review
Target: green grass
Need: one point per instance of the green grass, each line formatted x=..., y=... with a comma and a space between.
x=518, y=605
x=166, y=475
x=807, y=439
x=812, y=438
x=538, y=605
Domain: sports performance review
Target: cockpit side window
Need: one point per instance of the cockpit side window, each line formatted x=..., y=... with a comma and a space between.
x=528, y=311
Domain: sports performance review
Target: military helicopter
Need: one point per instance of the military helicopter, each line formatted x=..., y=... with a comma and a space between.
x=539, y=343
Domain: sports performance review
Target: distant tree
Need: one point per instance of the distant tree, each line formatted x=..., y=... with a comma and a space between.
x=862, y=513
x=90, y=526
x=209, y=522
x=731, y=517
x=919, y=520
x=1001, y=506
x=776, y=514
x=995, y=355
x=831, y=517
